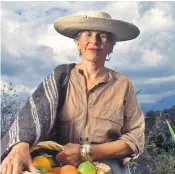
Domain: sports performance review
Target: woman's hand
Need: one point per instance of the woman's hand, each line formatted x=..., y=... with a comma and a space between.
x=70, y=155
x=18, y=158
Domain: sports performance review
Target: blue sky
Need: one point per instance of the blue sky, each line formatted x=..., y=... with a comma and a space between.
x=31, y=48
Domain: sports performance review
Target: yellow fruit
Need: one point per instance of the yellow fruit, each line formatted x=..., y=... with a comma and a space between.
x=86, y=168
x=42, y=161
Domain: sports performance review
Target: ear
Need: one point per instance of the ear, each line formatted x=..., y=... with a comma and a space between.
x=78, y=45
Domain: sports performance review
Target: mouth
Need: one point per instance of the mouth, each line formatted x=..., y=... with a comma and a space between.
x=94, y=49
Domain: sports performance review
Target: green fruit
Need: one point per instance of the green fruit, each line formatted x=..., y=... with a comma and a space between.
x=42, y=169
x=86, y=168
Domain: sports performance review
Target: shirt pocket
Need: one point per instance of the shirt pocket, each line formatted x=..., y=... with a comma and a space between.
x=107, y=124
x=110, y=115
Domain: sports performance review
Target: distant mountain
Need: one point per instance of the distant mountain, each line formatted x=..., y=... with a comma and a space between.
x=164, y=103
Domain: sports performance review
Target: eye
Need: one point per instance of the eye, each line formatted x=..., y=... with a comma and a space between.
x=87, y=33
x=103, y=36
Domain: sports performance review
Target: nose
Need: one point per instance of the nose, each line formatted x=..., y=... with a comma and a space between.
x=95, y=39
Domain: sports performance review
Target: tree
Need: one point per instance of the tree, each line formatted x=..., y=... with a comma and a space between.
x=10, y=106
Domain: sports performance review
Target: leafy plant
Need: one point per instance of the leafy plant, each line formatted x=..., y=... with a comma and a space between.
x=10, y=106
x=159, y=153
x=171, y=131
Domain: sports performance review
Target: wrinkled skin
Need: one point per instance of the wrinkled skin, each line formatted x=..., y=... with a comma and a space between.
x=94, y=46
x=70, y=155
x=18, y=158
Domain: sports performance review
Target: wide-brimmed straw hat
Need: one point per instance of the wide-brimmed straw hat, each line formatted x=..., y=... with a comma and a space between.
x=71, y=25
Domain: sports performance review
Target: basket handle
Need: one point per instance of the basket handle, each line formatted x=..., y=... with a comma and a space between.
x=51, y=145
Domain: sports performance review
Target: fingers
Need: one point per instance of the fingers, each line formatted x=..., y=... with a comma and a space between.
x=3, y=169
x=10, y=169
x=31, y=167
x=15, y=161
x=66, y=159
x=74, y=160
x=70, y=155
x=60, y=156
x=6, y=165
x=17, y=168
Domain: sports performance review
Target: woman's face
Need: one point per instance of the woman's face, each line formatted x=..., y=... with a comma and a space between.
x=94, y=45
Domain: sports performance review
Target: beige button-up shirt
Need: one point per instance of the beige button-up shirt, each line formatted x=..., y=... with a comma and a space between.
x=108, y=112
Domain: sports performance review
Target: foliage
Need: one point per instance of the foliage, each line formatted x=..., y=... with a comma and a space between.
x=10, y=106
x=159, y=154
x=154, y=161
x=171, y=131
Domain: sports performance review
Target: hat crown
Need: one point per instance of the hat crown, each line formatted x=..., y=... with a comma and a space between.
x=97, y=14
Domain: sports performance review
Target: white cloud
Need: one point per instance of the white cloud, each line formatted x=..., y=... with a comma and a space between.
x=62, y=46
x=158, y=18
x=124, y=10
x=25, y=89
x=151, y=57
x=148, y=98
x=20, y=88
x=31, y=35
x=17, y=37
x=154, y=81
x=160, y=80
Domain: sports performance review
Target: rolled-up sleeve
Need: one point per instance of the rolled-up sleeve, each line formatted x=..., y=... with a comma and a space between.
x=134, y=124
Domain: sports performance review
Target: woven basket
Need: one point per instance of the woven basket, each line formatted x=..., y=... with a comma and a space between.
x=101, y=168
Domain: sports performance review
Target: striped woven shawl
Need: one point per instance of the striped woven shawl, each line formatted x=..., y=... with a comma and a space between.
x=36, y=121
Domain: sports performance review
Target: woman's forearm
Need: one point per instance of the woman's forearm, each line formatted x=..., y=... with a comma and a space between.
x=111, y=150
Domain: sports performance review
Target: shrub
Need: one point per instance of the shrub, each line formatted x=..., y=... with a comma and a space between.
x=10, y=106
x=159, y=154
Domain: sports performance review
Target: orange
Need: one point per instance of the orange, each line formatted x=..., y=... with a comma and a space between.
x=56, y=170
x=68, y=169
x=42, y=161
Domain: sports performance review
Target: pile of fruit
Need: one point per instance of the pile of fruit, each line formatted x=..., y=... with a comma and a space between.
x=47, y=165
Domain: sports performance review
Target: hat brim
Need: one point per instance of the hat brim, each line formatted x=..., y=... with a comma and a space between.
x=70, y=26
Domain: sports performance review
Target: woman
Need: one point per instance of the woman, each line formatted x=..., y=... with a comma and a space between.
x=79, y=102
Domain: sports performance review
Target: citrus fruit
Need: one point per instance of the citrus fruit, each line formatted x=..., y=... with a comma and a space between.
x=68, y=169
x=86, y=168
x=56, y=170
x=42, y=161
